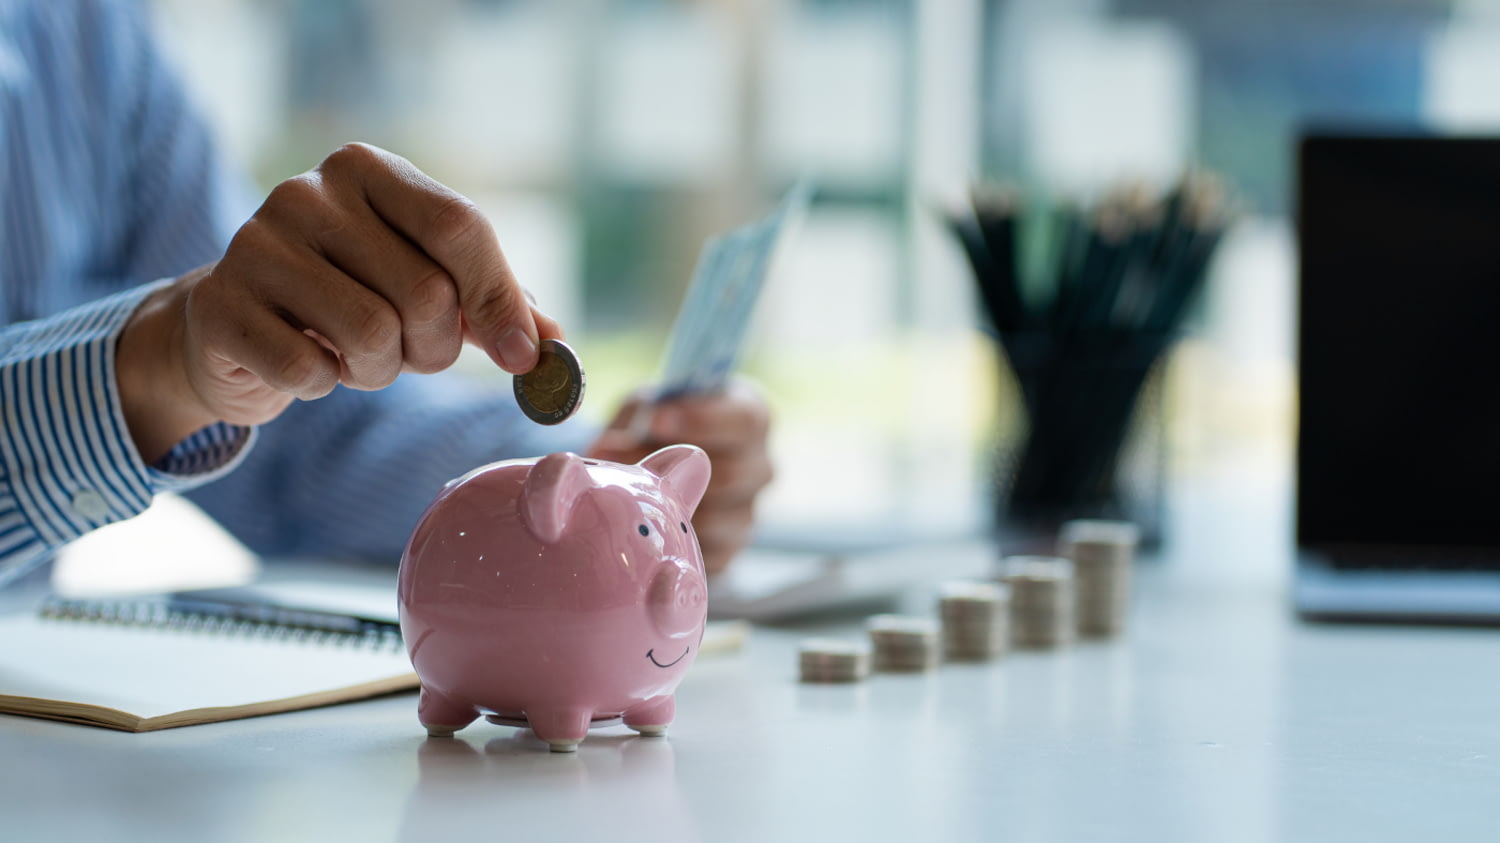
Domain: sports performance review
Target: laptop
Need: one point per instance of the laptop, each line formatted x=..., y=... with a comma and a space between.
x=1398, y=448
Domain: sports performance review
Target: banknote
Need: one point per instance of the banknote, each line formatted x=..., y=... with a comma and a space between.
x=709, y=333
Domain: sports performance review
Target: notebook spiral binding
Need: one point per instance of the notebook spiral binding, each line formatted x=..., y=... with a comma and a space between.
x=280, y=624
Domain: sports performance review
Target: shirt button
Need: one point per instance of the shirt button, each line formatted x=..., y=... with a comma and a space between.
x=90, y=506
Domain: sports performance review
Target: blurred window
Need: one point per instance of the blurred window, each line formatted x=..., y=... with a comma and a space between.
x=608, y=138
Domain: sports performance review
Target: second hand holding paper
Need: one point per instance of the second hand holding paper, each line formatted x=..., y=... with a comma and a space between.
x=709, y=332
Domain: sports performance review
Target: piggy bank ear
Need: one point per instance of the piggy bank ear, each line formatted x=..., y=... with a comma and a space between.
x=553, y=487
x=683, y=470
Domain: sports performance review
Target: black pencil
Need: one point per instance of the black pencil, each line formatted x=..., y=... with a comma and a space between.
x=966, y=228
x=996, y=211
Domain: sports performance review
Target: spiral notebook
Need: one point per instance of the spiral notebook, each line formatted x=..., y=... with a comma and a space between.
x=196, y=658
x=143, y=666
x=302, y=634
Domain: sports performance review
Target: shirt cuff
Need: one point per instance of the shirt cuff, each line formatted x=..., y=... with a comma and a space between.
x=205, y=456
x=70, y=462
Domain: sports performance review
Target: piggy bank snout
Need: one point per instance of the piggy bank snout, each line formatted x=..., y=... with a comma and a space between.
x=678, y=599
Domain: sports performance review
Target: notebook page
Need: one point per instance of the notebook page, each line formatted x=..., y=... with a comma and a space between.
x=151, y=672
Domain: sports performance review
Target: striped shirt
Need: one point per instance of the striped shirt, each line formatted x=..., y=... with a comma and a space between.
x=108, y=180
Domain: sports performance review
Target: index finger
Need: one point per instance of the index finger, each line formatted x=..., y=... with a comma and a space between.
x=450, y=230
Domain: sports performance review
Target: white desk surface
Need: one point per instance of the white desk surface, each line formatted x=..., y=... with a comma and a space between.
x=1219, y=717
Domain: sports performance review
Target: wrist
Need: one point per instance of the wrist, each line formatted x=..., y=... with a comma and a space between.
x=160, y=406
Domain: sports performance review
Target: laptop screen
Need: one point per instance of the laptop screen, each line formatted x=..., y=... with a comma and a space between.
x=1398, y=456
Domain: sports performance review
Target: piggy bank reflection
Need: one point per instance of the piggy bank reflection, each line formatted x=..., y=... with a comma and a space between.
x=557, y=593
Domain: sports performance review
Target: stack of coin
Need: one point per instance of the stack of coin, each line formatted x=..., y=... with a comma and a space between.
x=833, y=660
x=1103, y=554
x=903, y=643
x=1041, y=601
x=976, y=620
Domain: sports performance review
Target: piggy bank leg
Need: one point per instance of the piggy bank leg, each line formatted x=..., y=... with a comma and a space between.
x=652, y=717
x=562, y=728
x=442, y=716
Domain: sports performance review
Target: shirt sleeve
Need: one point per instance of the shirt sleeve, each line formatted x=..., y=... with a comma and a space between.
x=67, y=462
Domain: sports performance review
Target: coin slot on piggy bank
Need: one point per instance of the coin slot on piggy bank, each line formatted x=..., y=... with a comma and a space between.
x=557, y=592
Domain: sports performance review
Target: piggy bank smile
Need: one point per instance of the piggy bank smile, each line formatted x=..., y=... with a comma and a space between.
x=651, y=654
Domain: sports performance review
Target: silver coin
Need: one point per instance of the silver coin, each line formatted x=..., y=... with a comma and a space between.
x=553, y=390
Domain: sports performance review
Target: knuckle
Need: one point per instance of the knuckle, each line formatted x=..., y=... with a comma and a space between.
x=295, y=192
x=254, y=232
x=255, y=242
x=304, y=373
x=496, y=307
x=457, y=226
x=432, y=298
x=372, y=328
x=351, y=157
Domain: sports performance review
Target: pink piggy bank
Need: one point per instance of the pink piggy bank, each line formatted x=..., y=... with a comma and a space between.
x=557, y=593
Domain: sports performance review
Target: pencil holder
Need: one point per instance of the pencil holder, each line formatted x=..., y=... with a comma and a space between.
x=1081, y=433
x=1085, y=304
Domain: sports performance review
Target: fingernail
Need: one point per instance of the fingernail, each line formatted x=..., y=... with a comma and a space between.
x=517, y=351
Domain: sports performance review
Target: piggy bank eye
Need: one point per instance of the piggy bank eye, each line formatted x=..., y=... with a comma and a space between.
x=683, y=525
x=645, y=531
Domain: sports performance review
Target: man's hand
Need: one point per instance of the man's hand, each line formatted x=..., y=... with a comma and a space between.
x=731, y=426
x=350, y=273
